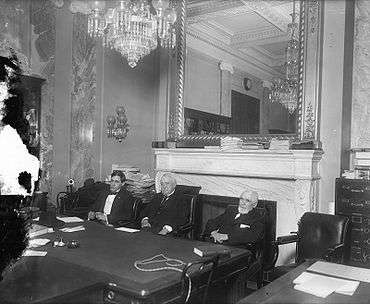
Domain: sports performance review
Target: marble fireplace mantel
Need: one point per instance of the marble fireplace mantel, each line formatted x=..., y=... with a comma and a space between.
x=289, y=177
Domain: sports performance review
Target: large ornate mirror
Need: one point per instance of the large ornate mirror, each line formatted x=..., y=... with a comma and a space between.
x=246, y=68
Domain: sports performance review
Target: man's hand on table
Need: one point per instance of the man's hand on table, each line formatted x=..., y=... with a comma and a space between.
x=145, y=223
x=219, y=237
x=165, y=230
x=91, y=215
x=100, y=216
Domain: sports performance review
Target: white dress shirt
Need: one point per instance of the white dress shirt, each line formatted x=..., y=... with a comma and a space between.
x=108, y=204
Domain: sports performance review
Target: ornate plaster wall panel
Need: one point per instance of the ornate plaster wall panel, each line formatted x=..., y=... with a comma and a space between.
x=288, y=177
x=83, y=95
x=360, y=136
x=42, y=19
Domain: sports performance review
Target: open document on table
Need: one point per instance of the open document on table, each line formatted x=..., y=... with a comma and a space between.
x=322, y=285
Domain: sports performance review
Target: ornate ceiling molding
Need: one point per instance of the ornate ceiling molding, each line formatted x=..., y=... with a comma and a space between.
x=243, y=40
x=271, y=14
x=206, y=15
x=211, y=7
x=202, y=39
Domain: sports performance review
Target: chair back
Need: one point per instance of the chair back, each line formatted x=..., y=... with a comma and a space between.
x=317, y=233
x=136, y=209
x=269, y=255
x=201, y=283
x=191, y=194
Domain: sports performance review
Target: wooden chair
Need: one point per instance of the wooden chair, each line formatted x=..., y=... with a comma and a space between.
x=200, y=282
x=191, y=194
x=319, y=236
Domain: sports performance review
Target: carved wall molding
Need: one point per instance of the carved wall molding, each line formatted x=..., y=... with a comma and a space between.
x=226, y=66
x=242, y=38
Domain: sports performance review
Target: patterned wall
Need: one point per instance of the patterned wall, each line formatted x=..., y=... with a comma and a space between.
x=83, y=98
x=360, y=136
x=42, y=38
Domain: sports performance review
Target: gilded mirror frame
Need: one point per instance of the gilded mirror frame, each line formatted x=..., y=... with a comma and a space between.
x=308, y=91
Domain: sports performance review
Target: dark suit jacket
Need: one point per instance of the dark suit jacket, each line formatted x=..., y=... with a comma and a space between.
x=247, y=228
x=122, y=208
x=172, y=212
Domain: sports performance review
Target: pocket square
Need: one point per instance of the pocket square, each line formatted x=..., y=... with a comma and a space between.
x=244, y=226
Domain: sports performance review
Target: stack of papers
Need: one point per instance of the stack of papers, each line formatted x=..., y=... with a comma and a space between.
x=70, y=219
x=341, y=271
x=34, y=253
x=125, y=229
x=34, y=243
x=141, y=186
x=322, y=286
x=37, y=230
x=73, y=229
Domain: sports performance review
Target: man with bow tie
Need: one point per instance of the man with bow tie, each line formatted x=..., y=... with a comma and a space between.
x=115, y=205
x=238, y=224
x=167, y=211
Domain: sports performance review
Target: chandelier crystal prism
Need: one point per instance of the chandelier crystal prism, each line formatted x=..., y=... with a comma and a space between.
x=285, y=91
x=133, y=28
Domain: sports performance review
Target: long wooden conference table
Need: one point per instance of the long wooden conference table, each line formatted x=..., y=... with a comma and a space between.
x=282, y=291
x=102, y=269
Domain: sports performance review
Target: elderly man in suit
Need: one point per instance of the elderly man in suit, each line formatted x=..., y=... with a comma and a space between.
x=167, y=211
x=114, y=206
x=238, y=224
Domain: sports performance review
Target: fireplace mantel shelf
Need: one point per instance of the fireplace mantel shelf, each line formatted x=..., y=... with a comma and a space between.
x=266, y=164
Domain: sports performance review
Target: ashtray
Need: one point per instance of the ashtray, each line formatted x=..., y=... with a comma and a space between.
x=73, y=244
x=58, y=242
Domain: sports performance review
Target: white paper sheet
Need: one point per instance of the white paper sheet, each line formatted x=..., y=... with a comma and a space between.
x=70, y=219
x=322, y=286
x=34, y=253
x=34, y=243
x=342, y=271
x=73, y=229
x=125, y=229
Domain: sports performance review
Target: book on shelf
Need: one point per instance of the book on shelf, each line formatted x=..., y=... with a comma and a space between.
x=212, y=250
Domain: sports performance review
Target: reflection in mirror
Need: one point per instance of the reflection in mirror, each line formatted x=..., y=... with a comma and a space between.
x=236, y=54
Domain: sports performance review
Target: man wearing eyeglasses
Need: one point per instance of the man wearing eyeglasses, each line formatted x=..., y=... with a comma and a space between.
x=115, y=205
x=238, y=224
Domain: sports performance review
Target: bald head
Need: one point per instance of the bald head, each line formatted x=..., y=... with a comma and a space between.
x=168, y=184
x=247, y=201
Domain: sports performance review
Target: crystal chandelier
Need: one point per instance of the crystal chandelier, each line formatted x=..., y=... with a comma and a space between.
x=285, y=91
x=133, y=28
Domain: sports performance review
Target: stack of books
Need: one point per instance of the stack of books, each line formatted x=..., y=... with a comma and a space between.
x=237, y=144
x=231, y=143
x=361, y=162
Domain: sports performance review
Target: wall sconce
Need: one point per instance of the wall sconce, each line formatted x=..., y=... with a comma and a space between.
x=117, y=126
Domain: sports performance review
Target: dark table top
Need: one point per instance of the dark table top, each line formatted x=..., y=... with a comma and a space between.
x=105, y=256
x=282, y=291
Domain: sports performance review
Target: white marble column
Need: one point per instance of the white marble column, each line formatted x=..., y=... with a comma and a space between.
x=225, y=88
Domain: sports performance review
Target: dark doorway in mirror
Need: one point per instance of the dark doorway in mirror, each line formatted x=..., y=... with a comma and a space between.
x=245, y=113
